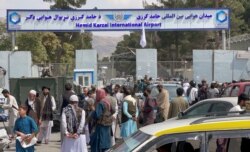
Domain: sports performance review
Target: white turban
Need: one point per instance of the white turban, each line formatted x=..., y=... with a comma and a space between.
x=74, y=98
x=33, y=92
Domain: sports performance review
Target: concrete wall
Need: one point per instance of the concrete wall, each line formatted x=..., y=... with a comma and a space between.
x=223, y=65
x=87, y=59
x=20, y=64
x=146, y=63
x=202, y=65
x=227, y=66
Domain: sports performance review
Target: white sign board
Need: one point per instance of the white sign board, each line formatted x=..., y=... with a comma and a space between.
x=120, y=20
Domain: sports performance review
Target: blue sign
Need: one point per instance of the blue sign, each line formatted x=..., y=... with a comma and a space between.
x=14, y=18
x=120, y=20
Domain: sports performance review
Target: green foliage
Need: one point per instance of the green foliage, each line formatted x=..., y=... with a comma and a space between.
x=63, y=50
x=32, y=41
x=66, y=4
x=5, y=39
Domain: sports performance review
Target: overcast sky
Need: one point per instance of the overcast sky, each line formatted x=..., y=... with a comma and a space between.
x=101, y=4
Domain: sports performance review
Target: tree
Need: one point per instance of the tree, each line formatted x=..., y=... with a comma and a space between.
x=53, y=47
x=69, y=41
x=238, y=24
x=66, y=4
x=32, y=41
x=5, y=39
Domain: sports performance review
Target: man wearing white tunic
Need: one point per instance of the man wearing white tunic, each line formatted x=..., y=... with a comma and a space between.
x=12, y=108
x=48, y=105
x=73, y=121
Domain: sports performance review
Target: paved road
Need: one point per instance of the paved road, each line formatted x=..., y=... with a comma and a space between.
x=53, y=146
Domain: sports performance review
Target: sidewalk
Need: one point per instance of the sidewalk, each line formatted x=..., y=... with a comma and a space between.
x=53, y=146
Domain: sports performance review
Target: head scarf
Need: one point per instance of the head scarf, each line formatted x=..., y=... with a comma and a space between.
x=102, y=96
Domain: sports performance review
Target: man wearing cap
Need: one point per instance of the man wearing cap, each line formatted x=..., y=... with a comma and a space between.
x=73, y=121
x=34, y=106
x=12, y=108
x=48, y=105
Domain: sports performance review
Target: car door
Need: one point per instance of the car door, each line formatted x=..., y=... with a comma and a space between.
x=228, y=141
x=192, y=142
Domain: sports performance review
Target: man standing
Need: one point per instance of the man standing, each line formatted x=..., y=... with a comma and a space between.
x=119, y=97
x=213, y=92
x=162, y=103
x=178, y=105
x=84, y=97
x=65, y=100
x=90, y=124
x=48, y=105
x=12, y=108
x=73, y=121
x=34, y=106
x=192, y=93
x=149, y=108
x=114, y=107
x=66, y=95
x=242, y=98
x=117, y=94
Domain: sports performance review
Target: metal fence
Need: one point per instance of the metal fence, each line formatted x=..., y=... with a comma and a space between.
x=111, y=69
x=165, y=69
x=53, y=69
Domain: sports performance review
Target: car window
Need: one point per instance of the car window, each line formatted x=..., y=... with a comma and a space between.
x=171, y=91
x=235, y=91
x=199, y=109
x=221, y=107
x=191, y=142
x=247, y=90
x=229, y=141
x=131, y=142
x=226, y=92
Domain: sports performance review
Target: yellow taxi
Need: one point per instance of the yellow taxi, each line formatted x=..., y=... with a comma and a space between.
x=200, y=134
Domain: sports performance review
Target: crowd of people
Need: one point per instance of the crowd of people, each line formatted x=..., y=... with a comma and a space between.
x=33, y=119
x=114, y=113
x=98, y=118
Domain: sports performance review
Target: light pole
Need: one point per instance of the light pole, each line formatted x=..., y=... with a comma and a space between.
x=13, y=49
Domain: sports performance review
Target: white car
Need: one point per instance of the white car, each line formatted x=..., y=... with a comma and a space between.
x=214, y=106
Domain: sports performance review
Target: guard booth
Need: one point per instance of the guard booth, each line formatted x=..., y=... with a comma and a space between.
x=84, y=77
